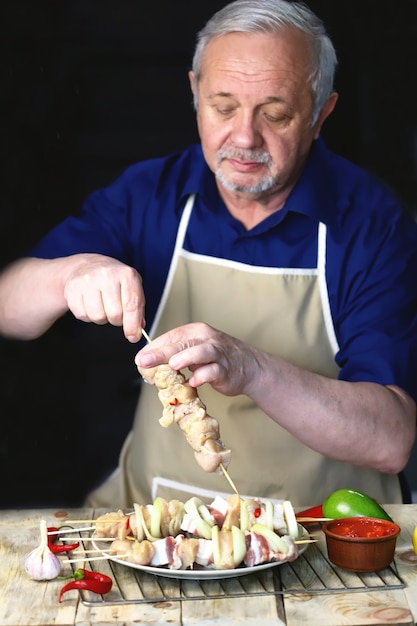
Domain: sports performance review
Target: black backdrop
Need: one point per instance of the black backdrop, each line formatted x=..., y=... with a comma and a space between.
x=88, y=87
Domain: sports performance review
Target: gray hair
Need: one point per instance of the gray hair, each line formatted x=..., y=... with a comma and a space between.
x=249, y=16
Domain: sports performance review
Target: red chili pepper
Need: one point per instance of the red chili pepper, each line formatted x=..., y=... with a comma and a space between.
x=57, y=549
x=314, y=511
x=257, y=512
x=88, y=580
x=174, y=402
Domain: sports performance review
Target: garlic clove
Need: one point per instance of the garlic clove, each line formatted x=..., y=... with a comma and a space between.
x=42, y=563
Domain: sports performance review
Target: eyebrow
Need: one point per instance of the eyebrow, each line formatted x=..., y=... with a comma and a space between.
x=226, y=94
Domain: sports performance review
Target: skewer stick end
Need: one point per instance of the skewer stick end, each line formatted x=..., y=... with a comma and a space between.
x=145, y=334
x=226, y=474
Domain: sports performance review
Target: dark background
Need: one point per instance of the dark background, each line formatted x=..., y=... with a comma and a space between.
x=88, y=87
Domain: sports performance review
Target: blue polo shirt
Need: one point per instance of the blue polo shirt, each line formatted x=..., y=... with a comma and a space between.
x=371, y=259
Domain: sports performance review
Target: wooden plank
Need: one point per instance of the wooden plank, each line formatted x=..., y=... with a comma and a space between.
x=24, y=602
x=406, y=559
x=359, y=608
x=251, y=611
x=159, y=614
x=350, y=609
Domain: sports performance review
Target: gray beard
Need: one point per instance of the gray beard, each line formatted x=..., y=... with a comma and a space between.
x=263, y=185
x=267, y=183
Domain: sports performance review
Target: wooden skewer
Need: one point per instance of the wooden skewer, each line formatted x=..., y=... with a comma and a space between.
x=71, y=530
x=91, y=551
x=121, y=556
x=312, y=519
x=86, y=521
x=94, y=558
x=309, y=539
x=226, y=474
x=115, y=521
x=94, y=538
x=145, y=334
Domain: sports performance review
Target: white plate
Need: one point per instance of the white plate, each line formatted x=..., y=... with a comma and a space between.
x=199, y=572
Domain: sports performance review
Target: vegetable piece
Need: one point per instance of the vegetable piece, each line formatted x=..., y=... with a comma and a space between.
x=140, y=534
x=203, y=527
x=239, y=545
x=291, y=521
x=269, y=514
x=222, y=540
x=314, y=511
x=89, y=581
x=142, y=524
x=41, y=563
x=176, y=511
x=414, y=540
x=215, y=540
x=244, y=516
x=156, y=517
x=232, y=517
x=275, y=543
x=57, y=549
x=351, y=503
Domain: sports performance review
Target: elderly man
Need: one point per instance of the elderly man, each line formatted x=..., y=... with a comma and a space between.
x=281, y=275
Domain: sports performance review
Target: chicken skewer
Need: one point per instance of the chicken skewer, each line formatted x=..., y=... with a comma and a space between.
x=168, y=518
x=220, y=535
x=223, y=534
x=182, y=405
x=226, y=550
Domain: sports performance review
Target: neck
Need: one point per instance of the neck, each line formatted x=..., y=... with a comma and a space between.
x=248, y=210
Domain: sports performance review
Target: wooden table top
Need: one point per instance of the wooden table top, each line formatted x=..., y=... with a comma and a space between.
x=24, y=602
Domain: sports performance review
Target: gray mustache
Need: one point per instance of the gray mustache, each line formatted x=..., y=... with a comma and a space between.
x=251, y=156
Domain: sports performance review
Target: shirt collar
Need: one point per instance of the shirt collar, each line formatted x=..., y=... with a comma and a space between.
x=314, y=194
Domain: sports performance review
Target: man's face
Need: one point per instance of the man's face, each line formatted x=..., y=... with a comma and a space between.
x=255, y=109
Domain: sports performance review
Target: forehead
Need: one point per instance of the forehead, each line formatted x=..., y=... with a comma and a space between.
x=256, y=59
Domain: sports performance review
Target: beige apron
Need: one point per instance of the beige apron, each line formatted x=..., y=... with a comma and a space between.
x=279, y=310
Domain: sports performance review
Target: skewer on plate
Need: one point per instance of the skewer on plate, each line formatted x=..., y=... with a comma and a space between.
x=93, y=558
x=71, y=530
x=306, y=520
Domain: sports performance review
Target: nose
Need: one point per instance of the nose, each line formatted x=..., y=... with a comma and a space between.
x=245, y=131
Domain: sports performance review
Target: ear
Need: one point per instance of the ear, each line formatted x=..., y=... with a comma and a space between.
x=192, y=81
x=327, y=109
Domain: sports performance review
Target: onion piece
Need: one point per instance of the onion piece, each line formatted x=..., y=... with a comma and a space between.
x=192, y=508
x=244, y=516
x=239, y=545
x=156, y=517
x=269, y=514
x=275, y=543
x=139, y=514
x=291, y=521
x=140, y=535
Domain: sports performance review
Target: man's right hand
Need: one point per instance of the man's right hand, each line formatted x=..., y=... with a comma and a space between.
x=34, y=293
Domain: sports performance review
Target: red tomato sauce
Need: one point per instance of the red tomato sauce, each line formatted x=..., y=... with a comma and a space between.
x=364, y=528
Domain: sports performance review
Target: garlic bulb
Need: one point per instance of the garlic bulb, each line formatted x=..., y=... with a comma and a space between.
x=41, y=563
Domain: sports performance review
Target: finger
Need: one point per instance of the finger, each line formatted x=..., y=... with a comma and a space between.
x=75, y=304
x=86, y=307
x=215, y=375
x=203, y=374
x=193, y=356
x=153, y=357
x=112, y=303
x=133, y=307
x=94, y=307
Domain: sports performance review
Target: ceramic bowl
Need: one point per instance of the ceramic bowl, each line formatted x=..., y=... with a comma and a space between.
x=361, y=544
